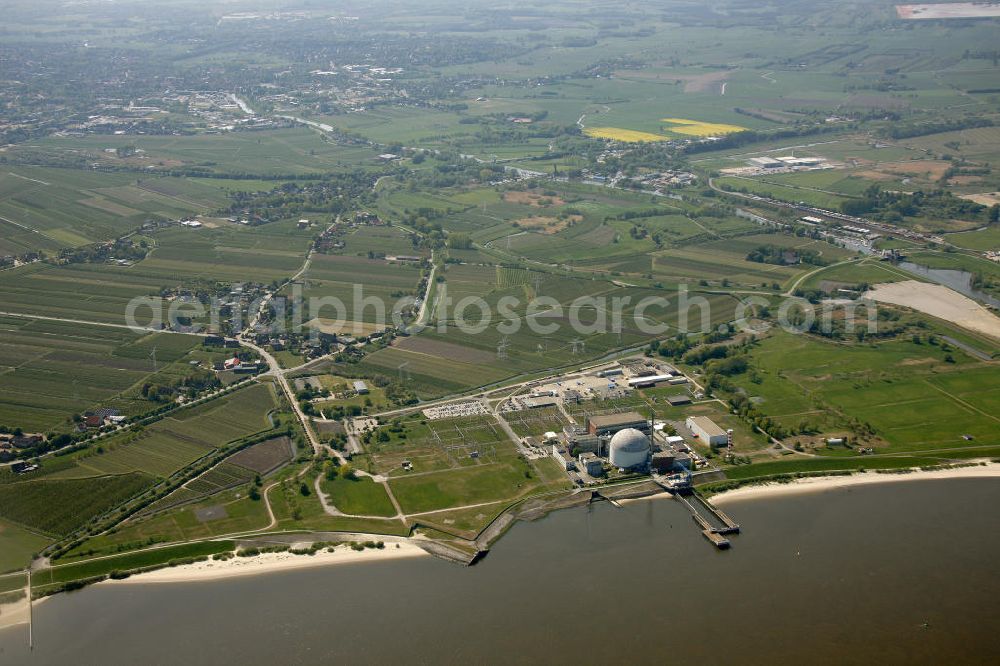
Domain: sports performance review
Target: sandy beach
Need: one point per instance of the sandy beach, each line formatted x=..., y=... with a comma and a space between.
x=814, y=484
x=939, y=301
x=14, y=614
x=270, y=562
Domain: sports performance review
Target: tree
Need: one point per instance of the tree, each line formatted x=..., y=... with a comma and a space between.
x=304, y=489
x=254, y=493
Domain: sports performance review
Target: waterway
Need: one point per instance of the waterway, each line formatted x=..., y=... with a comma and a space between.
x=895, y=573
x=960, y=281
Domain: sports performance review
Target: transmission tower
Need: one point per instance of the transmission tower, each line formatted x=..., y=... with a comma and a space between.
x=404, y=372
x=537, y=281
x=152, y=355
x=502, y=349
x=578, y=346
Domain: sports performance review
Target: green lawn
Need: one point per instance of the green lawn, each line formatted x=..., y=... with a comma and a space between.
x=360, y=496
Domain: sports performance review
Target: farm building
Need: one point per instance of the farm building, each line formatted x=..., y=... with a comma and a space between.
x=360, y=387
x=676, y=400
x=705, y=429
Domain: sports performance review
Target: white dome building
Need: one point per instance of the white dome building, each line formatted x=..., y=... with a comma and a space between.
x=629, y=448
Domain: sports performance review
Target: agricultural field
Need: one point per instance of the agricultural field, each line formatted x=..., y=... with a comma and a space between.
x=49, y=209
x=568, y=152
x=52, y=370
x=265, y=457
x=445, y=359
x=294, y=151
x=413, y=126
x=715, y=261
x=225, y=253
x=181, y=258
x=178, y=440
x=355, y=293
x=56, y=507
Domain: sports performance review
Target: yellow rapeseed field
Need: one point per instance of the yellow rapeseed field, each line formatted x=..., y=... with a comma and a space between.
x=619, y=134
x=698, y=128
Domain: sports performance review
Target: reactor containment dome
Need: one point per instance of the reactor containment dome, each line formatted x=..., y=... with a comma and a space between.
x=629, y=448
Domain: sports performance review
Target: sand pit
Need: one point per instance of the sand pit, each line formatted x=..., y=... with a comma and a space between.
x=938, y=301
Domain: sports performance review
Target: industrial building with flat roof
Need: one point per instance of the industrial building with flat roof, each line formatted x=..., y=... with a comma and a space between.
x=591, y=464
x=707, y=431
x=611, y=423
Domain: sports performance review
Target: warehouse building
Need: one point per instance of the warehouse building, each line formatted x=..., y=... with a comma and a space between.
x=647, y=381
x=707, y=431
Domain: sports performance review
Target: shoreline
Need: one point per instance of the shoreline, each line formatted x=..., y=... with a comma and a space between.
x=813, y=484
x=16, y=614
x=263, y=563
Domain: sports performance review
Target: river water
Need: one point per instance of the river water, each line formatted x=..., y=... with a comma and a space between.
x=902, y=572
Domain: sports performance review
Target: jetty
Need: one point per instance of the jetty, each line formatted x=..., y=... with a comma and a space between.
x=716, y=525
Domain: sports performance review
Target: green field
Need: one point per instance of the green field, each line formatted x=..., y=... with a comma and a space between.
x=913, y=399
x=358, y=496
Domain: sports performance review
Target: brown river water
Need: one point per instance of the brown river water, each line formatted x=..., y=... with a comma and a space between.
x=906, y=572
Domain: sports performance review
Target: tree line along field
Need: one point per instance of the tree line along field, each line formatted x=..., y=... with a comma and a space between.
x=909, y=393
x=52, y=370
